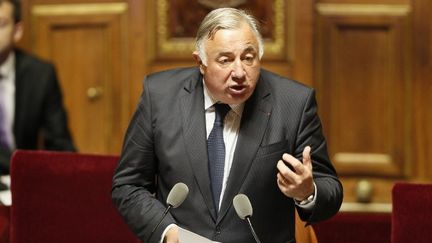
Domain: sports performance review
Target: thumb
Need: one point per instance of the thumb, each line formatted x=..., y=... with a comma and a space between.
x=307, y=161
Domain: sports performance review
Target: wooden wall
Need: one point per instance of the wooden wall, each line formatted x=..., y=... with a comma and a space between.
x=372, y=90
x=98, y=48
x=363, y=83
x=369, y=60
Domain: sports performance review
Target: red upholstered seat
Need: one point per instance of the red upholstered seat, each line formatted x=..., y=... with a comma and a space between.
x=412, y=213
x=4, y=223
x=355, y=227
x=64, y=197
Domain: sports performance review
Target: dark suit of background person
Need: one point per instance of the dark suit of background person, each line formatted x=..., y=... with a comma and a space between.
x=38, y=108
x=166, y=144
x=37, y=99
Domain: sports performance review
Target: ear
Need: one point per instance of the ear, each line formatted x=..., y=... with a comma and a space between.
x=18, y=32
x=199, y=62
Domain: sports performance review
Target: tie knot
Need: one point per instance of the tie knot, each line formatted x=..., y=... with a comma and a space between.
x=221, y=111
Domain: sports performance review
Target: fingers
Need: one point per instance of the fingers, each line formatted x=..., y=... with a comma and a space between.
x=283, y=183
x=172, y=234
x=292, y=170
x=285, y=172
x=295, y=164
x=295, y=177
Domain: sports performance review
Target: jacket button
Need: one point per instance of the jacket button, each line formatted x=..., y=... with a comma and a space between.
x=218, y=230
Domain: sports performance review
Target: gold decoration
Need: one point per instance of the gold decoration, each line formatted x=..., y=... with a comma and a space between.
x=363, y=9
x=364, y=191
x=362, y=158
x=366, y=207
x=79, y=9
x=167, y=46
x=221, y=3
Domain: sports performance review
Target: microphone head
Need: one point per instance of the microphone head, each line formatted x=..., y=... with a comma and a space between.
x=177, y=194
x=242, y=206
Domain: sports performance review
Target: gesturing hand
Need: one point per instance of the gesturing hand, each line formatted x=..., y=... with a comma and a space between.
x=298, y=182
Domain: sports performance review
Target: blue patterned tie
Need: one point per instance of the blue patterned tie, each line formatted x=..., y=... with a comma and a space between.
x=216, y=152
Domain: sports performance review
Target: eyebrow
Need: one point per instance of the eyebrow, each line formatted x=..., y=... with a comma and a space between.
x=247, y=49
x=250, y=49
x=225, y=53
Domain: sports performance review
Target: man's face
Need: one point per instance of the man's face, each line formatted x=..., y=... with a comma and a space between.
x=8, y=29
x=233, y=64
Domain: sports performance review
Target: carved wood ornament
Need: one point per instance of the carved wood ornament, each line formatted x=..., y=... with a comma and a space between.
x=221, y=3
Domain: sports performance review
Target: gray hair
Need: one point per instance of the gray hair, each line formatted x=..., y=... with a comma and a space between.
x=225, y=18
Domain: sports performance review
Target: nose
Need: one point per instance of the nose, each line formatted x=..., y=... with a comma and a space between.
x=238, y=71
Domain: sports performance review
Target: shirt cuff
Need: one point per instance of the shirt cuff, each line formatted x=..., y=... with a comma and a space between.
x=309, y=205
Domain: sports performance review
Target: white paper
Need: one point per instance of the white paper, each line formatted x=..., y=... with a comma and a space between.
x=186, y=236
x=6, y=195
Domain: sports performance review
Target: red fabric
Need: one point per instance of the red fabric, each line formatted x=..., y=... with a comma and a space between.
x=64, y=197
x=355, y=228
x=412, y=213
x=4, y=224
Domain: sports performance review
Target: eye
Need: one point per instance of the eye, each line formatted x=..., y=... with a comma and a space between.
x=249, y=59
x=224, y=60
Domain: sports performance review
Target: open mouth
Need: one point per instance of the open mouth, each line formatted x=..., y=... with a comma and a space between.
x=237, y=89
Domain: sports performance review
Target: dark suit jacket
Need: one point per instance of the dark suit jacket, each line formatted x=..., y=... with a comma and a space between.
x=38, y=108
x=166, y=141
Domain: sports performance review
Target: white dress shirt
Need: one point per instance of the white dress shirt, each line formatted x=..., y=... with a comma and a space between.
x=7, y=96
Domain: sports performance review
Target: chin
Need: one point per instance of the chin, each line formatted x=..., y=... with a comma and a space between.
x=238, y=99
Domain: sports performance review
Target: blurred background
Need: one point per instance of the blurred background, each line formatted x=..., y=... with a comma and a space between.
x=369, y=61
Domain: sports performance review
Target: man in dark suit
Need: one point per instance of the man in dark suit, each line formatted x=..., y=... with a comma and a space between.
x=273, y=147
x=32, y=115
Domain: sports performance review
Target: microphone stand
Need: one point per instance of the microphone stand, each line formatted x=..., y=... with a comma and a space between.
x=252, y=229
x=160, y=221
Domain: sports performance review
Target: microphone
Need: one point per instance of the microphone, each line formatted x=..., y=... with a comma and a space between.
x=175, y=197
x=244, y=210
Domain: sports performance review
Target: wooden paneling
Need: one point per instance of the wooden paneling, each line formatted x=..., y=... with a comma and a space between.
x=86, y=42
x=364, y=88
x=422, y=89
x=370, y=61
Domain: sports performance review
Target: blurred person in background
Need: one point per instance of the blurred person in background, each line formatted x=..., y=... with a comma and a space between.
x=32, y=115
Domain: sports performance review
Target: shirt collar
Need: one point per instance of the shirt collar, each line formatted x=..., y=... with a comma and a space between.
x=209, y=101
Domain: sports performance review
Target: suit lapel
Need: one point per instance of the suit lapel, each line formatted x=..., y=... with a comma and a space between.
x=254, y=121
x=194, y=132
